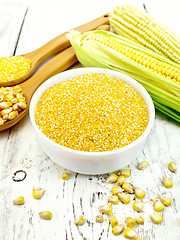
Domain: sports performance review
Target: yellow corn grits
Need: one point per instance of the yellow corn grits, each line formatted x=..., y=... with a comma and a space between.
x=92, y=112
x=13, y=67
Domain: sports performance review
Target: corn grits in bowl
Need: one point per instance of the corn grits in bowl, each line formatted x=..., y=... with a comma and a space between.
x=92, y=120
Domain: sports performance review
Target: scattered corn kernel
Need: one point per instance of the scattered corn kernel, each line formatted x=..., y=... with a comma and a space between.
x=10, y=106
x=99, y=219
x=156, y=218
x=5, y=117
x=172, y=167
x=19, y=96
x=6, y=111
x=106, y=209
x=17, y=88
x=130, y=233
x=47, y=215
x=13, y=114
x=121, y=179
x=14, y=100
x=112, y=178
x=1, y=97
x=130, y=222
x=65, y=176
x=128, y=187
x=15, y=106
x=14, y=67
x=116, y=190
x=85, y=113
x=19, y=200
x=116, y=230
x=38, y=192
x=139, y=219
x=79, y=221
x=139, y=193
x=21, y=100
x=142, y=165
x=2, y=121
x=113, y=220
x=138, y=206
x=158, y=206
x=113, y=199
x=22, y=105
x=4, y=105
x=166, y=201
x=124, y=198
x=125, y=172
x=168, y=183
x=9, y=97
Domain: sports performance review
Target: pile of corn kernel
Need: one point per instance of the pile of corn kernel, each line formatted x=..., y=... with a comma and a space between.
x=92, y=112
x=14, y=67
x=12, y=102
x=121, y=193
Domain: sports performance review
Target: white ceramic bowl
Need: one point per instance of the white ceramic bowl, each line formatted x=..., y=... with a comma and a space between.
x=92, y=162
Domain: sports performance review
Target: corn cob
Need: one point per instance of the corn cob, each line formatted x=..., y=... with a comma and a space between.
x=160, y=76
x=139, y=26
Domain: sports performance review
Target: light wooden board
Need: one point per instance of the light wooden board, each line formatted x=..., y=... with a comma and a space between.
x=80, y=195
x=11, y=23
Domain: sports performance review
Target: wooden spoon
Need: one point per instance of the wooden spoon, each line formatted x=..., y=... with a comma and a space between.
x=59, y=63
x=54, y=46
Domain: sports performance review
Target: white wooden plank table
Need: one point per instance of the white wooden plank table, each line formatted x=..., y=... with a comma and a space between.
x=23, y=28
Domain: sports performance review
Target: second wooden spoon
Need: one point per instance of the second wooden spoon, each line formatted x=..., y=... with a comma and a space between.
x=59, y=63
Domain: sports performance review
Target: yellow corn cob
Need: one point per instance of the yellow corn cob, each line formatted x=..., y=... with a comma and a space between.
x=140, y=27
x=159, y=75
x=163, y=69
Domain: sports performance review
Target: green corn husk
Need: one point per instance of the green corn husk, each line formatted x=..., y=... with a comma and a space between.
x=165, y=93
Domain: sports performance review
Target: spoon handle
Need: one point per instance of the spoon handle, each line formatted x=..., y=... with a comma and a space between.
x=60, y=42
x=57, y=64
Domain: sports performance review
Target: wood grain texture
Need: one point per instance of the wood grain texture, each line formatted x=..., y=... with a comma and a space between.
x=11, y=23
x=80, y=195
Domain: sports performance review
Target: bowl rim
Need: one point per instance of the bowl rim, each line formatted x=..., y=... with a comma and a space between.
x=79, y=71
